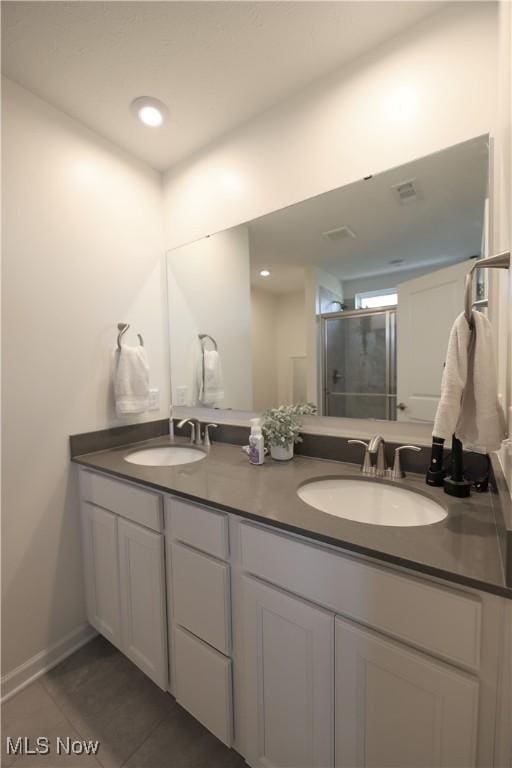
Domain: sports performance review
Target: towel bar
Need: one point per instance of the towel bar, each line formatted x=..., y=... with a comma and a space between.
x=499, y=261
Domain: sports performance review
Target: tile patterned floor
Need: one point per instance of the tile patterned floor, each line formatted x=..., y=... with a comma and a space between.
x=97, y=693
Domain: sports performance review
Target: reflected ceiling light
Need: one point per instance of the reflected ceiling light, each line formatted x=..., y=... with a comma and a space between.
x=150, y=111
x=397, y=261
x=265, y=273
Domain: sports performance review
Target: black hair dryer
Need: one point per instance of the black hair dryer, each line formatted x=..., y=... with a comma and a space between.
x=455, y=483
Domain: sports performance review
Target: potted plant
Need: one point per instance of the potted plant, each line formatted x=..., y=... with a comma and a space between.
x=281, y=428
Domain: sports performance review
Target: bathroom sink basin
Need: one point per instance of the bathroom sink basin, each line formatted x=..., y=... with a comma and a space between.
x=165, y=456
x=374, y=502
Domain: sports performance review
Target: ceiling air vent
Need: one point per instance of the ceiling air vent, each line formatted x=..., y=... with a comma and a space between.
x=341, y=233
x=406, y=192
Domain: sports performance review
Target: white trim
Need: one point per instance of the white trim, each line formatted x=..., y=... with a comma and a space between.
x=33, y=668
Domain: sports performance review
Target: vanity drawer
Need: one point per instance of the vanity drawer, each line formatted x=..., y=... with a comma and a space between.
x=198, y=526
x=441, y=620
x=204, y=685
x=143, y=507
x=201, y=596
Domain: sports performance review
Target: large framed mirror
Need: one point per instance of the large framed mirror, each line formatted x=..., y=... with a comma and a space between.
x=345, y=300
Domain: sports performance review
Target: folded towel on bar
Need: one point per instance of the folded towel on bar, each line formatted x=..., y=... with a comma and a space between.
x=131, y=380
x=469, y=406
x=211, y=384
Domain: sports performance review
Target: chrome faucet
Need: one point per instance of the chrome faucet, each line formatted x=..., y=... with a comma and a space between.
x=366, y=467
x=397, y=472
x=192, y=428
x=376, y=448
x=207, y=439
x=171, y=423
x=196, y=437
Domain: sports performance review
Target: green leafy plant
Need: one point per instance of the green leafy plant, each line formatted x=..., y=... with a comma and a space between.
x=281, y=426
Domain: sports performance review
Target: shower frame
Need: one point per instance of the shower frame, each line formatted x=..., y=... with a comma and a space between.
x=390, y=375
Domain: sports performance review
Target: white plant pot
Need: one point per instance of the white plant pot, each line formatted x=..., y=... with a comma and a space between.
x=282, y=452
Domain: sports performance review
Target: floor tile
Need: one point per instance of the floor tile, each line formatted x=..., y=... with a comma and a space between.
x=97, y=693
x=121, y=713
x=54, y=758
x=32, y=712
x=181, y=742
x=93, y=661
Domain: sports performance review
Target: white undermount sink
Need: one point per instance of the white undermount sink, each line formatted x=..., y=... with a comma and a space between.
x=165, y=456
x=366, y=501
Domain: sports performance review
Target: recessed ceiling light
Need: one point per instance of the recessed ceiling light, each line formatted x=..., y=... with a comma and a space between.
x=150, y=111
x=265, y=273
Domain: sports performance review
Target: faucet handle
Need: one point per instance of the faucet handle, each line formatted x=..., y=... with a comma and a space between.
x=207, y=439
x=397, y=472
x=192, y=428
x=366, y=467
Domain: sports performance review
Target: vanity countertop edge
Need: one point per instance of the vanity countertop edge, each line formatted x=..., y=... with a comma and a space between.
x=465, y=548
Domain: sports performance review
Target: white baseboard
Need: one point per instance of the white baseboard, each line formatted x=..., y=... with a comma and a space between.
x=30, y=670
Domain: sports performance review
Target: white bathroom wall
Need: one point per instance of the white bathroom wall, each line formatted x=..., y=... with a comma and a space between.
x=278, y=336
x=329, y=289
x=82, y=250
x=426, y=89
x=290, y=333
x=381, y=282
x=264, y=355
x=209, y=292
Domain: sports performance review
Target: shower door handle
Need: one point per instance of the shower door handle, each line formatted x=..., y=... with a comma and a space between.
x=336, y=376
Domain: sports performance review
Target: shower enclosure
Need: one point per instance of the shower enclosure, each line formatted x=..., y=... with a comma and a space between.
x=359, y=364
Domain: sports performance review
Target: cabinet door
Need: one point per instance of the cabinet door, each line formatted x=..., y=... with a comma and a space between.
x=398, y=708
x=143, y=608
x=289, y=679
x=99, y=543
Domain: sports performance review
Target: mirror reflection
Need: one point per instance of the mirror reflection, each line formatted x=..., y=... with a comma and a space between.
x=344, y=300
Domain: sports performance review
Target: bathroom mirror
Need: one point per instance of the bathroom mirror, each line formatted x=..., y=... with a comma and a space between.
x=345, y=300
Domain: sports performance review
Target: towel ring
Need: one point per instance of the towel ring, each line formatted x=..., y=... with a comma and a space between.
x=499, y=261
x=122, y=328
x=203, y=336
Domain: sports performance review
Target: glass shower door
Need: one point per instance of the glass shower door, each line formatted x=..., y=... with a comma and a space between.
x=360, y=364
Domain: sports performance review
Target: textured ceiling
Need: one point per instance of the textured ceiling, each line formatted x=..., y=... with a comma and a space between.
x=215, y=64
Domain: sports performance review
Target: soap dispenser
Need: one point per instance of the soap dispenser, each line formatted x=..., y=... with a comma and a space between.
x=256, y=443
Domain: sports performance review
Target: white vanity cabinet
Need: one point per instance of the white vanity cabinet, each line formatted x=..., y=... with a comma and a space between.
x=353, y=665
x=143, y=604
x=125, y=571
x=299, y=654
x=199, y=589
x=289, y=679
x=99, y=548
x=399, y=708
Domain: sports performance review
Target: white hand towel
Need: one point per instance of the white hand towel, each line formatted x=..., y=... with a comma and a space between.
x=469, y=405
x=131, y=380
x=211, y=389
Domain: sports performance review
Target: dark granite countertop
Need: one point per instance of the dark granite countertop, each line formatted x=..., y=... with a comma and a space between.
x=464, y=548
